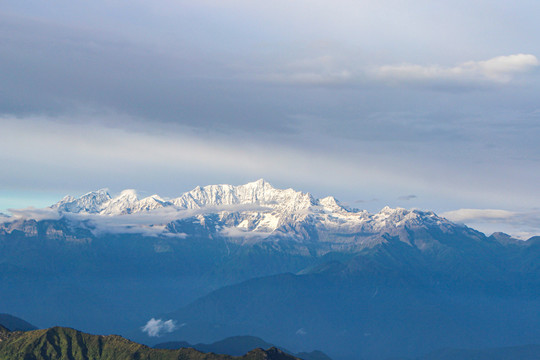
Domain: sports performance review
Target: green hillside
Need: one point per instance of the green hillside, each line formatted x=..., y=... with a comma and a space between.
x=68, y=344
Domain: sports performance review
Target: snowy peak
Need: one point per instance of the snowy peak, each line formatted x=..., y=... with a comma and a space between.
x=122, y=204
x=330, y=203
x=90, y=203
x=400, y=216
x=258, y=192
x=101, y=203
x=257, y=212
x=255, y=207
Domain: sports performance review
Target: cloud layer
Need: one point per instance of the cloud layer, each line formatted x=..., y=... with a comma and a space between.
x=500, y=69
x=167, y=95
x=519, y=224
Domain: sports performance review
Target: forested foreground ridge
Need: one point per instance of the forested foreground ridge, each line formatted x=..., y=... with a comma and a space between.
x=60, y=343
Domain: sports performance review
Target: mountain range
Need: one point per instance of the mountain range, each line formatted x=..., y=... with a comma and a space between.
x=303, y=272
x=64, y=343
x=238, y=345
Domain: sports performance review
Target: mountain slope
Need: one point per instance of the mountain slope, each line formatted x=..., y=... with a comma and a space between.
x=107, y=264
x=526, y=352
x=14, y=323
x=390, y=300
x=234, y=345
x=238, y=345
x=64, y=343
x=250, y=214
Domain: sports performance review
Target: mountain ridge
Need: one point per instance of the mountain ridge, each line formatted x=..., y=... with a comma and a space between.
x=247, y=214
x=60, y=343
x=13, y=323
x=281, y=250
x=238, y=345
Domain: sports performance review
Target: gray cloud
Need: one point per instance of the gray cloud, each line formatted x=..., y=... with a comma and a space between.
x=521, y=224
x=463, y=215
x=365, y=201
x=102, y=155
x=407, y=197
x=361, y=100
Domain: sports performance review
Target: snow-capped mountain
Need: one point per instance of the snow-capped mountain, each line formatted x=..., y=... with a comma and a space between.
x=148, y=254
x=254, y=193
x=91, y=203
x=257, y=212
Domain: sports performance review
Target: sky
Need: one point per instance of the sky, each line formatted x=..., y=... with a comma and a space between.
x=417, y=104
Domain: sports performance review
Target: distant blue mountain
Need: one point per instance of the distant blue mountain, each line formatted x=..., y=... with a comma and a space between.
x=13, y=323
x=302, y=272
x=237, y=346
x=525, y=352
x=390, y=300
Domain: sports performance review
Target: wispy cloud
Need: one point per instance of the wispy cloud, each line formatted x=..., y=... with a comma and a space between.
x=32, y=213
x=149, y=223
x=500, y=69
x=463, y=215
x=328, y=71
x=362, y=201
x=521, y=225
x=322, y=70
x=244, y=236
x=407, y=197
x=323, y=78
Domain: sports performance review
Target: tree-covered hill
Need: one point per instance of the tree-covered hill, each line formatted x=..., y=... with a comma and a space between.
x=60, y=343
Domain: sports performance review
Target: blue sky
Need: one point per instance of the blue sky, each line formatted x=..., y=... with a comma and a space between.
x=423, y=104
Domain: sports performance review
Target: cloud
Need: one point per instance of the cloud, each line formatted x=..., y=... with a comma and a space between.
x=308, y=69
x=148, y=223
x=500, y=69
x=407, y=197
x=463, y=215
x=108, y=156
x=156, y=327
x=521, y=225
x=331, y=71
x=32, y=213
x=152, y=223
x=362, y=201
x=246, y=236
x=325, y=78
